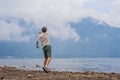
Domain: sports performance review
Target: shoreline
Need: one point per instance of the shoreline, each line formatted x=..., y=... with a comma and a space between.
x=14, y=73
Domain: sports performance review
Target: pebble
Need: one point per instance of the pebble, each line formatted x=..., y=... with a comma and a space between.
x=29, y=76
x=2, y=78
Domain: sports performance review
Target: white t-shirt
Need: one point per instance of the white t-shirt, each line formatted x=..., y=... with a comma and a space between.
x=44, y=37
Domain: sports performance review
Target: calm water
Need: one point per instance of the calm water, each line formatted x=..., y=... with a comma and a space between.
x=70, y=64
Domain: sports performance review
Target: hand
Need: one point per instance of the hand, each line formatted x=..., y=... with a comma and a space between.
x=37, y=46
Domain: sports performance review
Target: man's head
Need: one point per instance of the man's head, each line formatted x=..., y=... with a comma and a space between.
x=44, y=29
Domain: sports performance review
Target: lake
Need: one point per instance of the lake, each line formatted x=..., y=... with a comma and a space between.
x=67, y=64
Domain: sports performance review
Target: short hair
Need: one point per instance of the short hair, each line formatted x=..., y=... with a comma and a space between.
x=44, y=29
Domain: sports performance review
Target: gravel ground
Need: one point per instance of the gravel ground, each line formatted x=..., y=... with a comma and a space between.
x=13, y=73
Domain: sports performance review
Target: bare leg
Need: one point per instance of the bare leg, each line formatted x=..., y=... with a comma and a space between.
x=45, y=61
x=48, y=61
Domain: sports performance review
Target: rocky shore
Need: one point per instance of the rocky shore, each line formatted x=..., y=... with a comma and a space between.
x=13, y=73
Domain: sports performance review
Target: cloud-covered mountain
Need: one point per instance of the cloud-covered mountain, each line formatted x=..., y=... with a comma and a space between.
x=97, y=39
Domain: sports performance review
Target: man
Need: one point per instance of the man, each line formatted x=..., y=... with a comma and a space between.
x=45, y=41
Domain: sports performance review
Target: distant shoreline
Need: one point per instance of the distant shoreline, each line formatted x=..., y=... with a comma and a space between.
x=10, y=57
x=13, y=73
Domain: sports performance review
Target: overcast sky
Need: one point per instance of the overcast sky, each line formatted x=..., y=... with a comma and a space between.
x=55, y=14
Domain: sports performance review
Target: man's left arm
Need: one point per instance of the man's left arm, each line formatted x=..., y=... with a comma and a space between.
x=37, y=46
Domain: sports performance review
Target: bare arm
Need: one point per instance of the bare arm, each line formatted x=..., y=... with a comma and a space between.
x=37, y=41
x=37, y=46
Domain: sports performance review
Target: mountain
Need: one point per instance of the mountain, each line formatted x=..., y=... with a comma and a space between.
x=97, y=39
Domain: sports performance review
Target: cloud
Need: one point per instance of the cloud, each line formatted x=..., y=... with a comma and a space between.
x=11, y=32
x=65, y=33
x=57, y=14
x=105, y=11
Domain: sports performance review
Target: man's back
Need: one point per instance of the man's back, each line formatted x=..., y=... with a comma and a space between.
x=44, y=37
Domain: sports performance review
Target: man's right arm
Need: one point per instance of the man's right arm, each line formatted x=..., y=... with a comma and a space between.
x=37, y=44
x=37, y=41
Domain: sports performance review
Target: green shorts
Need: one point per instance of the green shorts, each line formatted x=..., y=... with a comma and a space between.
x=47, y=51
